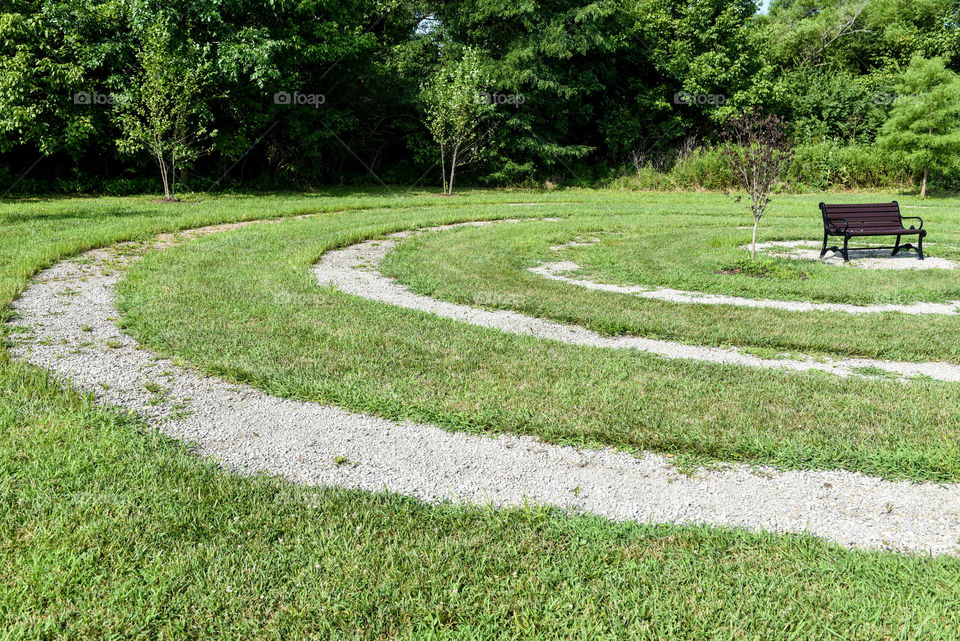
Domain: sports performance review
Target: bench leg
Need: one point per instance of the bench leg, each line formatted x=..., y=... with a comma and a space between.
x=920, y=247
x=846, y=252
x=824, y=250
x=897, y=247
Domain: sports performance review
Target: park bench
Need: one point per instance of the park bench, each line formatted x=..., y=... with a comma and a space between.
x=878, y=219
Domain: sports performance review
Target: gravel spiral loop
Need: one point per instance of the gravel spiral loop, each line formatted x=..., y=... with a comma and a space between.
x=64, y=321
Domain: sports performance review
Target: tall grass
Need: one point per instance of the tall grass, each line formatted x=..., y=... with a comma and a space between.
x=819, y=166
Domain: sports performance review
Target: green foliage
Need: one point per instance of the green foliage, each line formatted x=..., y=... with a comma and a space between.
x=164, y=114
x=854, y=34
x=823, y=105
x=703, y=168
x=832, y=165
x=457, y=112
x=597, y=80
x=922, y=127
x=39, y=74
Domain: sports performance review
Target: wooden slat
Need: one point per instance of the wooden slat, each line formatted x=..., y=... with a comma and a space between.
x=861, y=214
x=869, y=221
x=846, y=212
x=865, y=205
x=861, y=225
x=886, y=232
x=864, y=214
x=886, y=215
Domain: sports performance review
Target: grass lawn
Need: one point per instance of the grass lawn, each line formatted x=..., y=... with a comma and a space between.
x=488, y=267
x=109, y=531
x=245, y=306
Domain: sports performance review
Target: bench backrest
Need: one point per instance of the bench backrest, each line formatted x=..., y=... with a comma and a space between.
x=861, y=217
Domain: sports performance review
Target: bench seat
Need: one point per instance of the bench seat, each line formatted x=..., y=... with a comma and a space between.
x=884, y=231
x=869, y=219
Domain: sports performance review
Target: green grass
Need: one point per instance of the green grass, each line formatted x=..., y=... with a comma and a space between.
x=109, y=531
x=488, y=267
x=245, y=306
x=702, y=253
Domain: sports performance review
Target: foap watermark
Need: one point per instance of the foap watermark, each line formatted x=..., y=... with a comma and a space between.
x=315, y=100
x=99, y=99
x=889, y=98
x=497, y=98
x=690, y=99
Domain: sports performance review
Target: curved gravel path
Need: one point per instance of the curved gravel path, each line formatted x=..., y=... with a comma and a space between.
x=558, y=271
x=64, y=321
x=354, y=270
x=861, y=257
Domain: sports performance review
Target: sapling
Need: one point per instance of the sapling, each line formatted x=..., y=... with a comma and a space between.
x=757, y=150
x=457, y=112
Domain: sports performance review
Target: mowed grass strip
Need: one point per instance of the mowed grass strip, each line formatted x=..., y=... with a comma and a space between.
x=110, y=531
x=700, y=252
x=489, y=268
x=35, y=232
x=245, y=305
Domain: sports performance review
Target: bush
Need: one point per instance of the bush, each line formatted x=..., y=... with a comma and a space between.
x=704, y=168
x=815, y=167
x=829, y=165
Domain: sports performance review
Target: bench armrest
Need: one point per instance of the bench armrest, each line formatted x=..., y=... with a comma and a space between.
x=913, y=218
x=836, y=229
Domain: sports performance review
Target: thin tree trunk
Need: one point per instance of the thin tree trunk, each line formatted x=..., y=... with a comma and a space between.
x=163, y=176
x=753, y=245
x=923, y=187
x=443, y=167
x=453, y=167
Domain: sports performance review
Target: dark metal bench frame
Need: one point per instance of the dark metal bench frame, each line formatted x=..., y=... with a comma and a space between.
x=830, y=229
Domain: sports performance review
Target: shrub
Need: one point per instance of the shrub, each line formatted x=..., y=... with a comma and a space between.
x=814, y=167
x=829, y=165
x=704, y=168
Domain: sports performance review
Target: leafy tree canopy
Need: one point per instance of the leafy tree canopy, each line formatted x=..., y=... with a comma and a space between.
x=922, y=128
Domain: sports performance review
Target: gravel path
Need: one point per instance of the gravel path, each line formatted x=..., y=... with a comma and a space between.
x=64, y=322
x=354, y=270
x=861, y=258
x=559, y=271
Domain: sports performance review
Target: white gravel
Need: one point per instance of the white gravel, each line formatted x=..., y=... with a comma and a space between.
x=864, y=258
x=559, y=271
x=354, y=270
x=64, y=323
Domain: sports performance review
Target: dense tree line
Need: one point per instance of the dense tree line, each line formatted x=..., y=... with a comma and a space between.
x=315, y=92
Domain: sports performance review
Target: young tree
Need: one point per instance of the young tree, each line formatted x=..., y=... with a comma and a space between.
x=922, y=127
x=757, y=149
x=457, y=112
x=164, y=112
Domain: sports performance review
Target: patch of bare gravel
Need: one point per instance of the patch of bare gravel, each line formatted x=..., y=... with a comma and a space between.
x=64, y=318
x=865, y=258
